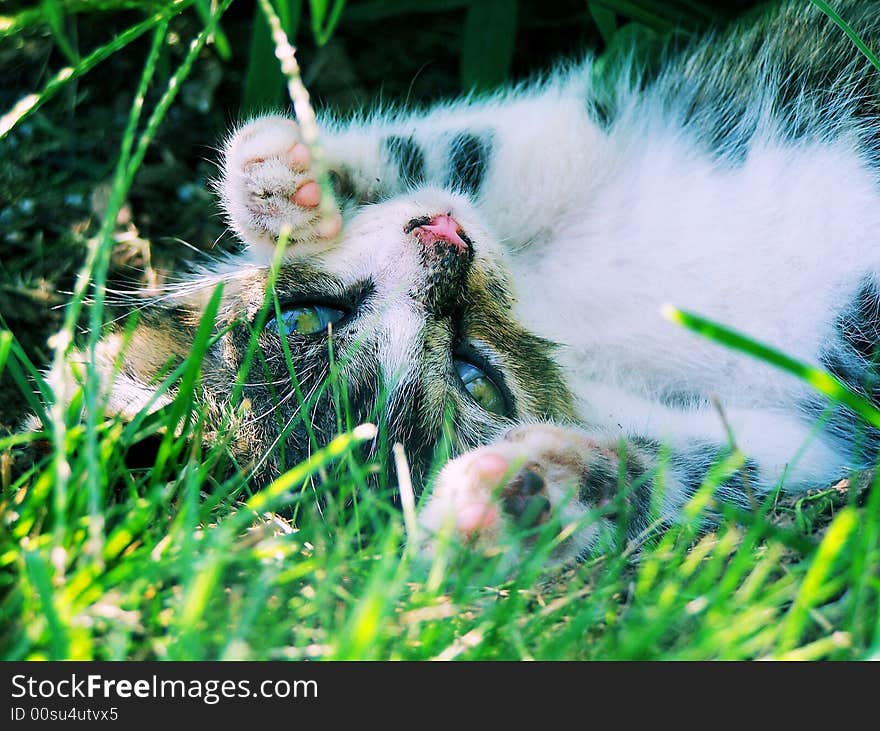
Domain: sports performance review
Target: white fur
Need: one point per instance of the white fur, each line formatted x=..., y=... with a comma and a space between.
x=601, y=228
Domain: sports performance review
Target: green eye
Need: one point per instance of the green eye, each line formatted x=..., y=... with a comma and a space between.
x=306, y=319
x=481, y=388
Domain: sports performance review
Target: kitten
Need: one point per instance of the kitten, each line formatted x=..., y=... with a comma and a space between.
x=501, y=267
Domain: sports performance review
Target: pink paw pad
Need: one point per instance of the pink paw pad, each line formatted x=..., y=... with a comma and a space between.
x=476, y=517
x=308, y=195
x=489, y=470
x=299, y=156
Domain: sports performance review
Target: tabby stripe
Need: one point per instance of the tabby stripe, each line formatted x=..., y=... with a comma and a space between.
x=408, y=157
x=468, y=159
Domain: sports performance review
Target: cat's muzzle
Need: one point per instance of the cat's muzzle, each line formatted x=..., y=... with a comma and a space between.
x=446, y=253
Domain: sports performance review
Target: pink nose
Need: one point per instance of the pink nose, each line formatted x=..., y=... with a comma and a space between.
x=441, y=228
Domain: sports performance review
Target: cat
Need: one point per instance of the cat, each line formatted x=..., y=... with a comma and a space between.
x=495, y=274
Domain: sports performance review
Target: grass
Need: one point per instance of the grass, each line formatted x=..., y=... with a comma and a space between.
x=180, y=559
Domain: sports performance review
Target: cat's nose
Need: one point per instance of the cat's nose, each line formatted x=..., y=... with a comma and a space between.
x=446, y=253
x=440, y=231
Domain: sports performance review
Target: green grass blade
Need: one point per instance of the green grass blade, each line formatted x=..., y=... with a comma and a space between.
x=32, y=102
x=12, y=24
x=95, y=475
x=605, y=21
x=205, y=579
x=5, y=348
x=846, y=28
x=305, y=114
x=26, y=376
x=338, y=447
x=325, y=18
x=264, y=82
x=813, y=589
x=488, y=44
x=40, y=576
x=645, y=13
x=220, y=40
x=181, y=411
x=380, y=9
x=820, y=380
x=54, y=14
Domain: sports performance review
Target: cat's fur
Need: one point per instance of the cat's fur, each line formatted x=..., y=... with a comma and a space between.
x=740, y=182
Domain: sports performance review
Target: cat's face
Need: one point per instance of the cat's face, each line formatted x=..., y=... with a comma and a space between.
x=420, y=330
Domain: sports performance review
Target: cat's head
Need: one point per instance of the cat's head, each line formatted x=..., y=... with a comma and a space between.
x=408, y=319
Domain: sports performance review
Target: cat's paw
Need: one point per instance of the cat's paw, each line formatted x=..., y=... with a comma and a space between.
x=534, y=474
x=267, y=183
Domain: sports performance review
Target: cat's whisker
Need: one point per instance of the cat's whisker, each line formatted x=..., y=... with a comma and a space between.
x=295, y=414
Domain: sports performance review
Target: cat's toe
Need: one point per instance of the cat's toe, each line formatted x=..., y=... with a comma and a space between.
x=265, y=138
x=483, y=493
x=464, y=500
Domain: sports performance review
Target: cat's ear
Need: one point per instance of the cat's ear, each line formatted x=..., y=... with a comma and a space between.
x=267, y=183
x=132, y=367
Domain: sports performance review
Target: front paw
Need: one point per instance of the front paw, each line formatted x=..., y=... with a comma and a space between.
x=267, y=183
x=533, y=475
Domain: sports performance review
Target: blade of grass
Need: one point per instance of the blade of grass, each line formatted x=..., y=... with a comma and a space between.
x=96, y=477
x=646, y=15
x=604, y=19
x=200, y=589
x=488, y=44
x=380, y=9
x=26, y=376
x=813, y=588
x=266, y=499
x=846, y=28
x=5, y=347
x=32, y=102
x=305, y=115
x=93, y=274
x=54, y=15
x=820, y=380
x=264, y=83
x=325, y=18
x=12, y=24
x=219, y=37
x=40, y=577
x=181, y=412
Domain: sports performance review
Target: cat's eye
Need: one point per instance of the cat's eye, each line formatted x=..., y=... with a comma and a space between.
x=306, y=319
x=481, y=388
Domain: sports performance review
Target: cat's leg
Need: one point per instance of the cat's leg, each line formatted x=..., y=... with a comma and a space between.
x=594, y=484
x=267, y=179
x=520, y=160
x=792, y=441
x=535, y=473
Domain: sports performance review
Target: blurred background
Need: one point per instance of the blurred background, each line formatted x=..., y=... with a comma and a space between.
x=57, y=162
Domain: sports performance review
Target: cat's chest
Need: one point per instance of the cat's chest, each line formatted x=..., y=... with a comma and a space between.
x=738, y=245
